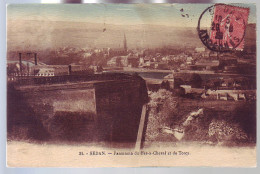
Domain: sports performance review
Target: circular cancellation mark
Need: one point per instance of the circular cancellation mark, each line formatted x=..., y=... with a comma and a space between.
x=222, y=27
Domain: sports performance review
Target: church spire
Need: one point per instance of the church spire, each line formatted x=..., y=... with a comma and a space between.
x=125, y=44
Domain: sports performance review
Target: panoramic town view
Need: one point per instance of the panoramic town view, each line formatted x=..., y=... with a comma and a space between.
x=126, y=76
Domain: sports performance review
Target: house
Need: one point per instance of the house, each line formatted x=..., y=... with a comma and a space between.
x=121, y=61
x=162, y=65
x=133, y=61
x=44, y=71
x=207, y=65
x=199, y=50
x=189, y=60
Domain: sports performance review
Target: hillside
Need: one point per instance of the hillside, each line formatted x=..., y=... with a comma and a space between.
x=23, y=34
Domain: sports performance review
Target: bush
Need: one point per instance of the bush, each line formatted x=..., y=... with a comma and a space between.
x=225, y=132
x=162, y=106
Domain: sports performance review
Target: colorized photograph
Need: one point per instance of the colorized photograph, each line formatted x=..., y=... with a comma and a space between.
x=131, y=85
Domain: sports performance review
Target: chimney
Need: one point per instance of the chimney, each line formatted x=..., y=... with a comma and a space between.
x=20, y=62
x=28, y=69
x=35, y=59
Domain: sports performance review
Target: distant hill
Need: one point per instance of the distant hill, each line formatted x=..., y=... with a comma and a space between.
x=40, y=35
x=48, y=34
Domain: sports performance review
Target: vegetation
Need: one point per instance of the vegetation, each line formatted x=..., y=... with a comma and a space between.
x=218, y=124
x=162, y=107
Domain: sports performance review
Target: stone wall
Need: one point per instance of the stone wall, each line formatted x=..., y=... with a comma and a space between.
x=102, y=110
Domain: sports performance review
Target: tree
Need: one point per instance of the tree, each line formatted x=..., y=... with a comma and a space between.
x=118, y=61
x=195, y=80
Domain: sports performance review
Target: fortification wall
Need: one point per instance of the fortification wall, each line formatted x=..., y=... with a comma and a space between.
x=107, y=110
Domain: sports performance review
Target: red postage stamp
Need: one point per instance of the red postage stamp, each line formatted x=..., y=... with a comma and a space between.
x=228, y=26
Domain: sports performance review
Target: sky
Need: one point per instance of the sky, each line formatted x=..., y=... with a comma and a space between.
x=119, y=14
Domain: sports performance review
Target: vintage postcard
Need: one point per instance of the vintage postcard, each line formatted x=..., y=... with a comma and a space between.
x=131, y=85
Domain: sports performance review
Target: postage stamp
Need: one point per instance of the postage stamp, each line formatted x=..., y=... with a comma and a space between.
x=227, y=29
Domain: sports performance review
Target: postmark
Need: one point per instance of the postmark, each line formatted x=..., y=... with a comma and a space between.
x=222, y=27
